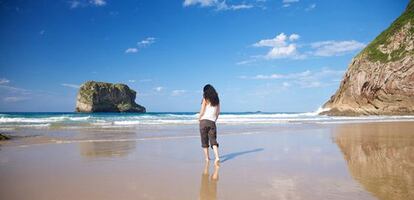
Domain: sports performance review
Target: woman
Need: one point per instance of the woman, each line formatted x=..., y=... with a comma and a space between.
x=209, y=112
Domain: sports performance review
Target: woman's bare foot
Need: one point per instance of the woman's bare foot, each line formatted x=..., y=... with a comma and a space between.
x=217, y=161
x=207, y=159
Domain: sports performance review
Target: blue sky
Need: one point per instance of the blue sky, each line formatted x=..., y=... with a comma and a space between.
x=267, y=55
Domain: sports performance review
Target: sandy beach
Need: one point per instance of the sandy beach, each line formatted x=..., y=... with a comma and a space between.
x=120, y=100
x=297, y=161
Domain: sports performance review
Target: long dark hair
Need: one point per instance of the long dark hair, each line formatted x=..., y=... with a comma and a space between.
x=210, y=94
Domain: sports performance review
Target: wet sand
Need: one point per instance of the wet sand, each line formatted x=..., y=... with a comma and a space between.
x=303, y=161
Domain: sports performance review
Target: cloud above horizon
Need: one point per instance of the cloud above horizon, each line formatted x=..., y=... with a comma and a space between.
x=131, y=50
x=287, y=3
x=141, y=44
x=311, y=7
x=281, y=46
x=13, y=99
x=4, y=81
x=74, y=86
x=146, y=42
x=178, y=92
x=218, y=5
x=335, y=48
x=305, y=79
x=158, y=89
x=98, y=2
x=284, y=46
x=85, y=3
x=11, y=94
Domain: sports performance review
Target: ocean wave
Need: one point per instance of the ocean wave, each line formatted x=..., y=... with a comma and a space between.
x=41, y=119
x=112, y=120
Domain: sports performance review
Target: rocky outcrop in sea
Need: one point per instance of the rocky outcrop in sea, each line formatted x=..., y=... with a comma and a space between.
x=380, y=79
x=4, y=137
x=106, y=97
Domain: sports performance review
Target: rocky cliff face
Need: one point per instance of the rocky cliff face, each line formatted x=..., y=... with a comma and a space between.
x=380, y=80
x=106, y=97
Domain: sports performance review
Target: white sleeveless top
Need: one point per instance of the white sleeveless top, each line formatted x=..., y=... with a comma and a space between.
x=210, y=113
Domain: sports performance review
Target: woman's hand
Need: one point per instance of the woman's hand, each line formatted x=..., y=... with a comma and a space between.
x=202, y=110
x=217, y=111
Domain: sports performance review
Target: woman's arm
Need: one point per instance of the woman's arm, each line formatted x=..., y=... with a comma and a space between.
x=217, y=111
x=203, y=109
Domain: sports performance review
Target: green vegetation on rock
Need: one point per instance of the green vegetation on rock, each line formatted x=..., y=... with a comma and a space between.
x=372, y=50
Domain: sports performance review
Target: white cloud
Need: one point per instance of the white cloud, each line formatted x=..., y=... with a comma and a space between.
x=13, y=89
x=12, y=99
x=334, y=48
x=219, y=5
x=178, y=92
x=158, y=89
x=287, y=3
x=146, y=42
x=280, y=46
x=285, y=46
x=145, y=80
x=10, y=94
x=286, y=84
x=311, y=7
x=306, y=79
x=282, y=52
x=290, y=1
x=98, y=2
x=131, y=50
x=131, y=81
x=279, y=76
x=248, y=61
x=4, y=81
x=86, y=3
x=279, y=40
x=260, y=76
x=70, y=85
x=74, y=4
x=241, y=6
x=224, y=6
x=141, y=44
x=202, y=3
x=294, y=37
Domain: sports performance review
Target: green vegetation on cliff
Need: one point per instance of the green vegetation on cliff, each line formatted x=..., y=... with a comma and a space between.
x=372, y=50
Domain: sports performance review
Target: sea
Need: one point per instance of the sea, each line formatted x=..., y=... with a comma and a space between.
x=72, y=120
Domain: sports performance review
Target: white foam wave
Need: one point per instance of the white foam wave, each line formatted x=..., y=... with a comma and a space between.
x=117, y=121
x=41, y=119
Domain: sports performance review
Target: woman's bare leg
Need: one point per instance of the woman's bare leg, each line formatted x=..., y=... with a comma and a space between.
x=206, y=155
x=216, y=154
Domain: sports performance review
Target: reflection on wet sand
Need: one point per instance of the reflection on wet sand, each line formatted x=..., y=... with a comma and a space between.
x=208, y=188
x=380, y=156
x=107, y=148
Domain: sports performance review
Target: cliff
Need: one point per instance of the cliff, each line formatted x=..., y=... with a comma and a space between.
x=106, y=97
x=380, y=79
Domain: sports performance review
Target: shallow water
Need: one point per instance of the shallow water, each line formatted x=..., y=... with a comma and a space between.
x=54, y=121
x=296, y=161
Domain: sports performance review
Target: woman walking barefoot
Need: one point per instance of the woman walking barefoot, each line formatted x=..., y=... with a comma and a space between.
x=209, y=112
